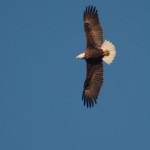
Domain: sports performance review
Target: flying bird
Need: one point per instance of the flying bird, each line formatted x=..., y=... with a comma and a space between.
x=95, y=53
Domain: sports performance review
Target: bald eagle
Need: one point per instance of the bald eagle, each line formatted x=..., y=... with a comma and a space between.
x=95, y=53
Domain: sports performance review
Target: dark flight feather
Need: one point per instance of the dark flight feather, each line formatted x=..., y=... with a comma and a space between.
x=92, y=27
x=93, y=82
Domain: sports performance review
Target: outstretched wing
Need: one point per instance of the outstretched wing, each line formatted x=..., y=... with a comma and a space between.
x=92, y=27
x=93, y=83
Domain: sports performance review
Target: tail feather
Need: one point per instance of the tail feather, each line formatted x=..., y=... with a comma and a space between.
x=108, y=46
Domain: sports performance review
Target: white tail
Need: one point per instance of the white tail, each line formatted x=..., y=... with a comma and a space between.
x=108, y=46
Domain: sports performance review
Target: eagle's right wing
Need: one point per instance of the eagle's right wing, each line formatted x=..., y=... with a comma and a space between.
x=92, y=27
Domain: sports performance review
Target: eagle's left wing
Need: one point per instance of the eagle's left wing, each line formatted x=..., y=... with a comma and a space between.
x=93, y=83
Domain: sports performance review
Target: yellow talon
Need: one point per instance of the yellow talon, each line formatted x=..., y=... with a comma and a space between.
x=105, y=52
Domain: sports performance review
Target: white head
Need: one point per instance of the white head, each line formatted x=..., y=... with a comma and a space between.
x=81, y=56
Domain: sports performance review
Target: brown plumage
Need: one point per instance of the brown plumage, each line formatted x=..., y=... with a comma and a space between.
x=93, y=56
x=92, y=27
x=93, y=82
x=95, y=53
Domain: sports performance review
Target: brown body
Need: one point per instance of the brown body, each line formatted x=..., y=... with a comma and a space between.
x=93, y=54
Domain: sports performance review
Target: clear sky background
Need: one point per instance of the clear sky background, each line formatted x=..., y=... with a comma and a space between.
x=41, y=82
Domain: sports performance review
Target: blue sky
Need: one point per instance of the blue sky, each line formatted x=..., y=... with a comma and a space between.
x=41, y=82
